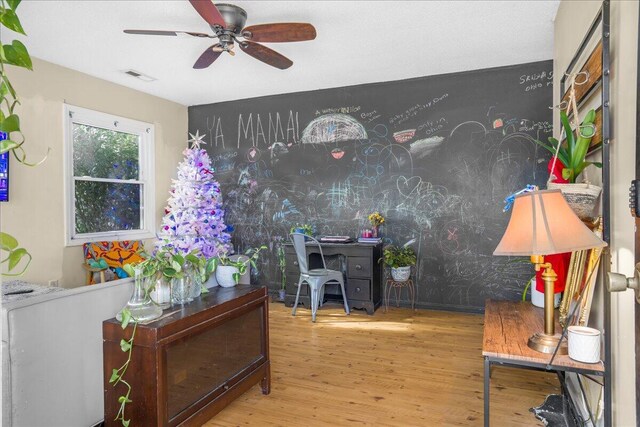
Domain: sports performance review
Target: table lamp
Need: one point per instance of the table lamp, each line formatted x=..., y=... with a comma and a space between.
x=542, y=223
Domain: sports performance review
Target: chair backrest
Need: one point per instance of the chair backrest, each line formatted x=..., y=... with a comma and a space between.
x=298, y=240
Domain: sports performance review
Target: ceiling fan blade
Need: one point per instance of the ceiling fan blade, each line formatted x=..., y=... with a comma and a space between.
x=167, y=33
x=266, y=55
x=281, y=32
x=208, y=56
x=208, y=11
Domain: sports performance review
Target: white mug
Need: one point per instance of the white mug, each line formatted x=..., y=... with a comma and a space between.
x=584, y=344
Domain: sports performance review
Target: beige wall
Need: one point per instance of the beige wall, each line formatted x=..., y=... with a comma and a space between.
x=571, y=23
x=35, y=213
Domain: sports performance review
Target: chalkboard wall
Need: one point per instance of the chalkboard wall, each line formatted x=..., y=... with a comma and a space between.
x=435, y=155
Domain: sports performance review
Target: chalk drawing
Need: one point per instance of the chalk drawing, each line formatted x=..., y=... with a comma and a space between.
x=424, y=147
x=404, y=135
x=333, y=128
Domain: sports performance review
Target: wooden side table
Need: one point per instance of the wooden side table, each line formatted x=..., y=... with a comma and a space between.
x=397, y=287
x=507, y=328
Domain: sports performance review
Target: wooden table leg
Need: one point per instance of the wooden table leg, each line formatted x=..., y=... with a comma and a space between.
x=386, y=295
x=413, y=295
x=487, y=390
x=265, y=383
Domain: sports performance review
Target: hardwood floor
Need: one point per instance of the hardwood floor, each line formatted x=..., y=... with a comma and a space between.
x=391, y=369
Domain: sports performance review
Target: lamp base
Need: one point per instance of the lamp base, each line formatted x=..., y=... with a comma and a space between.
x=546, y=343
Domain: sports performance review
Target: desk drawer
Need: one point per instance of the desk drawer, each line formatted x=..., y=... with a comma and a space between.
x=292, y=281
x=291, y=264
x=358, y=266
x=358, y=290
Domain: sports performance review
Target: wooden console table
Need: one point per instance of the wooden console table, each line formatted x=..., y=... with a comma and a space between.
x=193, y=361
x=507, y=328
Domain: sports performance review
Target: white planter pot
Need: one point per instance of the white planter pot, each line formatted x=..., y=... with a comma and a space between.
x=584, y=344
x=224, y=275
x=401, y=274
x=581, y=197
x=537, y=297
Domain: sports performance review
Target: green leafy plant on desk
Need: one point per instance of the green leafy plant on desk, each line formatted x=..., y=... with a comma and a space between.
x=302, y=228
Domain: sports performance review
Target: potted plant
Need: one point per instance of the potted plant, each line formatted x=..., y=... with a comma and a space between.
x=203, y=268
x=400, y=259
x=228, y=272
x=183, y=273
x=282, y=263
x=571, y=156
x=302, y=228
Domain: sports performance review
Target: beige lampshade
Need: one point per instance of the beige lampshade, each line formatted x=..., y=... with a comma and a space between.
x=542, y=223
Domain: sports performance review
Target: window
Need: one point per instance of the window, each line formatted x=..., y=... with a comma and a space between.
x=109, y=177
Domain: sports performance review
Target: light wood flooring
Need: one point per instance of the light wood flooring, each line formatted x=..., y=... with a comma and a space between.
x=400, y=368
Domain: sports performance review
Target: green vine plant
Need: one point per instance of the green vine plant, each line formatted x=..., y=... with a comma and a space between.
x=170, y=266
x=252, y=253
x=13, y=53
x=117, y=374
x=282, y=264
x=15, y=254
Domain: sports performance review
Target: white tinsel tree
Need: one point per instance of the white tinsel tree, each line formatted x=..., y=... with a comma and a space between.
x=194, y=218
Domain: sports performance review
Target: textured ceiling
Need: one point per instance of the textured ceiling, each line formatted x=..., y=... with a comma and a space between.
x=358, y=42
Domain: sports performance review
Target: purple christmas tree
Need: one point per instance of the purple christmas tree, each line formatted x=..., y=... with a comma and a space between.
x=194, y=218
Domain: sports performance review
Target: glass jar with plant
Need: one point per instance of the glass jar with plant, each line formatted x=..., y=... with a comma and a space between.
x=203, y=268
x=399, y=259
x=181, y=273
x=228, y=272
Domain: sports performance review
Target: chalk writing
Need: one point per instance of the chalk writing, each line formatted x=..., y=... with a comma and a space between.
x=413, y=111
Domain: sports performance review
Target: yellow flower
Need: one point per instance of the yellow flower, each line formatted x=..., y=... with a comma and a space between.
x=376, y=219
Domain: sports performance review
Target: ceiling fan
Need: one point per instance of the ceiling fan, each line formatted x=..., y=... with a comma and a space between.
x=227, y=22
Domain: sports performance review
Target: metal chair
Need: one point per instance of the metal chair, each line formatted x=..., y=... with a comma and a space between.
x=315, y=278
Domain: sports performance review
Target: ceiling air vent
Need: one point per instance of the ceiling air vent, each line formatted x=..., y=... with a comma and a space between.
x=139, y=75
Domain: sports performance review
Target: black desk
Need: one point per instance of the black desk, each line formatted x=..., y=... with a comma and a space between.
x=357, y=261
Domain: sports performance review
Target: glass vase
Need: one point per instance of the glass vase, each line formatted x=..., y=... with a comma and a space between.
x=197, y=283
x=182, y=289
x=140, y=305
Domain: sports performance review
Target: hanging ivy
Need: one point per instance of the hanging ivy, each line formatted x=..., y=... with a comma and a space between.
x=12, y=53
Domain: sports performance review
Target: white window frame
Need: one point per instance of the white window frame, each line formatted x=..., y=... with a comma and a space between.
x=146, y=132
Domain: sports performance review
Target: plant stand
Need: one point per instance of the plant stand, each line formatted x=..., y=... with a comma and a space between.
x=397, y=286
